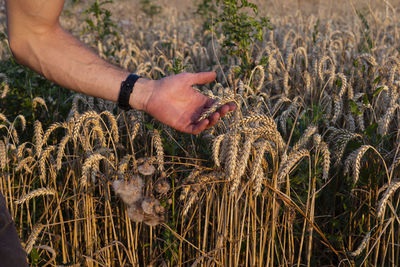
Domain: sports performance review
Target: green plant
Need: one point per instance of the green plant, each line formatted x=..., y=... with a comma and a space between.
x=241, y=29
x=99, y=21
x=149, y=8
x=366, y=43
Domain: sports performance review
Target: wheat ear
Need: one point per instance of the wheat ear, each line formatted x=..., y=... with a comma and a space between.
x=305, y=137
x=38, y=137
x=215, y=106
x=215, y=148
x=326, y=155
x=42, y=162
x=33, y=237
x=114, y=124
x=256, y=172
x=3, y=155
x=35, y=193
x=243, y=160
x=292, y=159
x=362, y=245
x=89, y=163
x=159, y=149
x=393, y=186
x=38, y=100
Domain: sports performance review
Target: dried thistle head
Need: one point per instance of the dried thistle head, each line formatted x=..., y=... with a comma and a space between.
x=152, y=206
x=162, y=187
x=129, y=191
x=146, y=168
x=135, y=213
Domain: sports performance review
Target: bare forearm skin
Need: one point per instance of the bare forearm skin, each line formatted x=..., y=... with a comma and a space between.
x=38, y=41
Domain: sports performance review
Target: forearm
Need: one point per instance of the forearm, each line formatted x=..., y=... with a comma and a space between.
x=60, y=57
x=37, y=41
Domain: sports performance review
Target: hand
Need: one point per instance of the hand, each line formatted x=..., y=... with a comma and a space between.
x=174, y=102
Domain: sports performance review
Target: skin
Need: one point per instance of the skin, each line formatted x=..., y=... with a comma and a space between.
x=37, y=40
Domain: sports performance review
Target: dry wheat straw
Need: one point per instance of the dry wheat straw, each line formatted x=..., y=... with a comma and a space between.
x=35, y=193
x=393, y=186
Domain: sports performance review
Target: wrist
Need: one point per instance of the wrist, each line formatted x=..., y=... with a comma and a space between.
x=141, y=94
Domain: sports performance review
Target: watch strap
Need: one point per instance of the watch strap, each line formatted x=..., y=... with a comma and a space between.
x=126, y=90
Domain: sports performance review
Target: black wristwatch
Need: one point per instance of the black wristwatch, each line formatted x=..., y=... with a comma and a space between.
x=126, y=90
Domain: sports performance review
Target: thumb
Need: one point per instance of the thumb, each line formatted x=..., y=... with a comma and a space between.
x=203, y=77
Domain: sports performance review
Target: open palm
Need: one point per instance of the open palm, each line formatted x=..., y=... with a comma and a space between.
x=174, y=102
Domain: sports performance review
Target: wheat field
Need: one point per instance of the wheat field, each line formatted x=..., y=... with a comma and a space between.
x=305, y=172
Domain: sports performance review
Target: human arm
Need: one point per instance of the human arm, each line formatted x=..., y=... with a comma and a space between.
x=38, y=41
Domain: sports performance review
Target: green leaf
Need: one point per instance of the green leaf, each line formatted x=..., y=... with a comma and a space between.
x=378, y=91
x=354, y=108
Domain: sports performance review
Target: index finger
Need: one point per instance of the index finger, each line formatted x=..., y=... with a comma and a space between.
x=203, y=77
